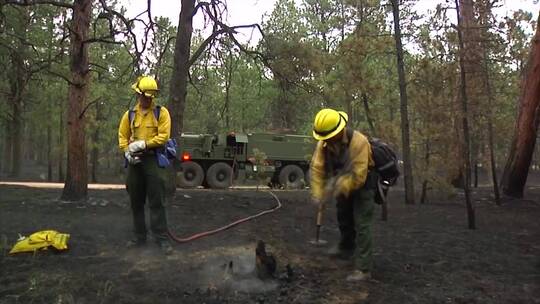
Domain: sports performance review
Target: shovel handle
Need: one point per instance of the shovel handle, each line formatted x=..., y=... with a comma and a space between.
x=319, y=218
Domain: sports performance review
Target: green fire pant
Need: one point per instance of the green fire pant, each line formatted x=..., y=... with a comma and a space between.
x=355, y=219
x=144, y=180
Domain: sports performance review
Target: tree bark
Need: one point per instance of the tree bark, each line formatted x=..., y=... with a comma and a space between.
x=60, y=152
x=425, y=182
x=178, y=91
x=8, y=145
x=491, y=141
x=465, y=121
x=179, y=81
x=76, y=185
x=228, y=82
x=369, y=118
x=94, y=155
x=16, y=138
x=17, y=84
x=524, y=139
x=407, y=160
x=49, y=152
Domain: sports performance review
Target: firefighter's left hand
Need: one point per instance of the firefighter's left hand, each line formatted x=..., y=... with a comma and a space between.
x=137, y=146
x=133, y=160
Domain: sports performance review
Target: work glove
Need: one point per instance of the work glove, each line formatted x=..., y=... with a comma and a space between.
x=340, y=190
x=132, y=160
x=137, y=146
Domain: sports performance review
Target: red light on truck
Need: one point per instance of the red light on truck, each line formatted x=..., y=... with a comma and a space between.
x=186, y=157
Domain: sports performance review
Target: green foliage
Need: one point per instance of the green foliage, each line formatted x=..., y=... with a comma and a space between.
x=259, y=165
x=318, y=53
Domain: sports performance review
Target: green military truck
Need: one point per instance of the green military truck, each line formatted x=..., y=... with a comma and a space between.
x=219, y=161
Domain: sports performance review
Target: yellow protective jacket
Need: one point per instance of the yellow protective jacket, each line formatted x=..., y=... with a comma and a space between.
x=353, y=176
x=145, y=127
x=41, y=240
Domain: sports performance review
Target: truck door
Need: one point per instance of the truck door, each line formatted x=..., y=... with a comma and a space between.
x=236, y=146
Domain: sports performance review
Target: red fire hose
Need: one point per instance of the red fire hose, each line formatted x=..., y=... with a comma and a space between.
x=237, y=222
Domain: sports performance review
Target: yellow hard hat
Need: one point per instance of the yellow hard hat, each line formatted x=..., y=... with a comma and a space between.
x=328, y=123
x=146, y=85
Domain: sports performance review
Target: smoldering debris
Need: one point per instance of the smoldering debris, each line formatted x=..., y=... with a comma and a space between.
x=248, y=271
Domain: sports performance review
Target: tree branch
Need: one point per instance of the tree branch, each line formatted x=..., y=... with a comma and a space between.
x=105, y=39
x=88, y=106
x=34, y=2
x=63, y=77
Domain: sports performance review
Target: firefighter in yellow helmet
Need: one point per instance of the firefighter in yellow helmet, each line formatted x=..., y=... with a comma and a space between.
x=142, y=131
x=340, y=171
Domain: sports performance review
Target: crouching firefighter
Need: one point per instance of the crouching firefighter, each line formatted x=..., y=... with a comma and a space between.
x=142, y=136
x=340, y=171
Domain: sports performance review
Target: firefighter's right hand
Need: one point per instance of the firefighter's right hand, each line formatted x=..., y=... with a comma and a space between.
x=137, y=146
x=132, y=160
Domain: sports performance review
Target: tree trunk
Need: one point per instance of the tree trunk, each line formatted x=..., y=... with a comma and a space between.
x=228, y=83
x=94, y=155
x=179, y=80
x=524, y=140
x=491, y=141
x=17, y=84
x=49, y=153
x=475, y=181
x=16, y=139
x=492, y=161
x=76, y=185
x=425, y=183
x=282, y=113
x=8, y=146
x=369, y=118
x=178, y=92
x=407, y=165
x=60, y=152
x=465, y=123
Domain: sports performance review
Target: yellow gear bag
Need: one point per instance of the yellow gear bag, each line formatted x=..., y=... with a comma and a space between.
x=41, y=240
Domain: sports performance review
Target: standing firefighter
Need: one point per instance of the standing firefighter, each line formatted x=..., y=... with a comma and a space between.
x=340, y=171
x=142, y=135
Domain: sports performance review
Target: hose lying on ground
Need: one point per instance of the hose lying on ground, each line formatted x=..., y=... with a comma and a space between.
x=237, y=222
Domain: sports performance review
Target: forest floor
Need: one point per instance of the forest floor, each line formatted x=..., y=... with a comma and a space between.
x=423, y=253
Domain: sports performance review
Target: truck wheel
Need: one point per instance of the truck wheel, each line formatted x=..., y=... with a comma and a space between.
x=191, y=176
x=291, y=177
x=219, y=176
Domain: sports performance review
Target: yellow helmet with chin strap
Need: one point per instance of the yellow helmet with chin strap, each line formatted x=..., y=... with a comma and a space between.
x=146, y=85
x=328, y=123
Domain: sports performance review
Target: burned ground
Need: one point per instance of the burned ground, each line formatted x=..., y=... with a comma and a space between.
x=423, y=254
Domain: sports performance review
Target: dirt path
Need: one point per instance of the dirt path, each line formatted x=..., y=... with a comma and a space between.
x=45, y=185
x=424, y=254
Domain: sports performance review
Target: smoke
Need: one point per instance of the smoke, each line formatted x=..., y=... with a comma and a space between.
x=236, y=273
x=222, y=269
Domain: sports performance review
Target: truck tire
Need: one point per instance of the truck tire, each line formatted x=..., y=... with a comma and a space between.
x=191, y=175
x=219, y=176
x=291, y=177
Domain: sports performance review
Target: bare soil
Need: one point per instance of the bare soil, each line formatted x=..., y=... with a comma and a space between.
x=423, y=254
